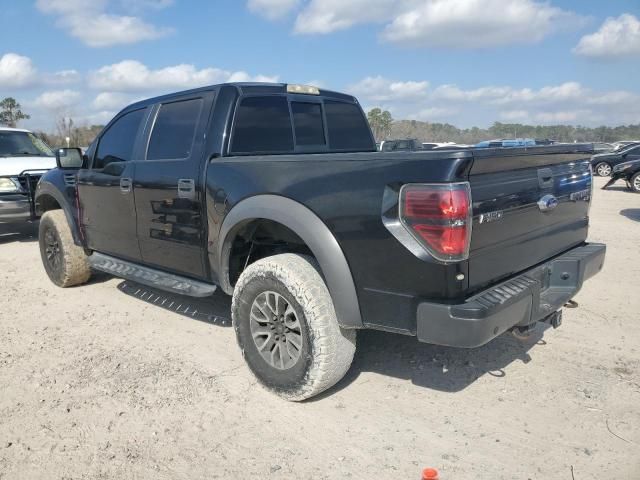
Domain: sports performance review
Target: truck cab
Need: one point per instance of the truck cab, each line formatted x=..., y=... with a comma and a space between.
x=24, y=157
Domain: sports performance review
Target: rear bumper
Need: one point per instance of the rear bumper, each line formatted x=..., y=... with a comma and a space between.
x=530, y=297
x=14, y=208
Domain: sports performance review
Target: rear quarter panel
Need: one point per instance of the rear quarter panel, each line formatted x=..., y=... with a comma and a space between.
x=346, y=192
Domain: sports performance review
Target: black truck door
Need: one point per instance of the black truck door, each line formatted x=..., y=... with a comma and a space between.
x=167, y=184
x=105, y=189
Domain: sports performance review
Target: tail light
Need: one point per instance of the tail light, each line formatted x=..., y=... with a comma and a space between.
x=439, y=217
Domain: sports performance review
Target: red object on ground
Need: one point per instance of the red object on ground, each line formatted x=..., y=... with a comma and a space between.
x=430, y=474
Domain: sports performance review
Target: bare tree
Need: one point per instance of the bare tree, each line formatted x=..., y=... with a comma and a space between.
x=66, y=127
x=10, y=113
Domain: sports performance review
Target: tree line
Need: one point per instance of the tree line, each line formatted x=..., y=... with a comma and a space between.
x=382, y=124
x=385, y=127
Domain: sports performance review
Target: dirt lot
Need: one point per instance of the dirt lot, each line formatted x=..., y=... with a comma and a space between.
x=111, y=380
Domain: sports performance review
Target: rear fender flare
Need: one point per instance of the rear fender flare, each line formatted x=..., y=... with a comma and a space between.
x=308, y=226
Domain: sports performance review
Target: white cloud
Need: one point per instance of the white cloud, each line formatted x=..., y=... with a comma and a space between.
x=563, y=117
x=569, y=102
x=58, y=99
x=440, y=114
x=508, y=95
x=617, y=37
x=476, y=23
x=88, y=21
x=16, y=71
x=272, y=9
x=380, y=89
x=326, y=16
x=431, y=23
x=515, y=115
x=131, y=76
x=111, y=101
x=63, y=77
x=137, y=5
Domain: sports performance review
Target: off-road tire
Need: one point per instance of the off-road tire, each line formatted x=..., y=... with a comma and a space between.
x=604, y=167
x=327, y=349
x=634, y=183
x=71, y=266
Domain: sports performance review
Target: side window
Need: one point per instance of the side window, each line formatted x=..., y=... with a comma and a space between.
x=174, y=130
x=635, y=151
x=116, y=144
x=262, y=125
x=348, y=130
x=307, y=121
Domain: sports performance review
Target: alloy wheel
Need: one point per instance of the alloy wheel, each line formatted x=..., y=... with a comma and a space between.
x=52, y=250
x=275, y=329
x=604, y=170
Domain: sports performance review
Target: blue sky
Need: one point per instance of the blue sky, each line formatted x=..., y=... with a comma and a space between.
x=466, y=62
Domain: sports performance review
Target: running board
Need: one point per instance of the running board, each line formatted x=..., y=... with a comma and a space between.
x=150, y=277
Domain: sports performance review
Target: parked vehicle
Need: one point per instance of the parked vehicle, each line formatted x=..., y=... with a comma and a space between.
x=601, y=147
x=451, y=146
x=23, y=159
x=544, y=141
x=444, y=146
x=603, y=163
x=624, y=144
x=629, y=172
x=406, y=145
x=508, y=142
x=286, y=205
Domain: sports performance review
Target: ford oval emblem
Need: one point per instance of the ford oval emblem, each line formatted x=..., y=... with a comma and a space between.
x=547, y=203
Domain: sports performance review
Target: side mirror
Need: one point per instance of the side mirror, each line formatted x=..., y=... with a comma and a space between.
x=68, y=158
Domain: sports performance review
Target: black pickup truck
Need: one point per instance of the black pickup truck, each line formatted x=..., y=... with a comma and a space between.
x=275, y=194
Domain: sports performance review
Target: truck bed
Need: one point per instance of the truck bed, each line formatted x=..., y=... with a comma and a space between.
x=353, y=192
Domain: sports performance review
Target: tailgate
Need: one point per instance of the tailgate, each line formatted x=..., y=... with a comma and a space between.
x=528, y=206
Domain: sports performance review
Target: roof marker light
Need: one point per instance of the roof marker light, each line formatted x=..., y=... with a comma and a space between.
x=303, y=89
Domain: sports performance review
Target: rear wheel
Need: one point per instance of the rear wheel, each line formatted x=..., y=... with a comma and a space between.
x=634, y=183
x=287, y=329
x=65, y=263
x=603, y=169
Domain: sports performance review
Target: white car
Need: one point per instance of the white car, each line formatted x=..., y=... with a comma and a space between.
x=23, y=159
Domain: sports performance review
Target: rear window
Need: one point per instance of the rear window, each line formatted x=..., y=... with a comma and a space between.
x=266, y=124
x=174, y=130
x=347, y=127
x=307, y=120
x=263, y=125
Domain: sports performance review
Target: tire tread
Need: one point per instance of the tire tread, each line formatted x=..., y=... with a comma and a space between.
x=332, y=347
x=76, y=269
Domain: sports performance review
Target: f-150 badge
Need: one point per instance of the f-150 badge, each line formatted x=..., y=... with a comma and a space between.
x=490, y=216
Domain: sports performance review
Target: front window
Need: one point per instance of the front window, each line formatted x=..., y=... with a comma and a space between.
x=21, y=144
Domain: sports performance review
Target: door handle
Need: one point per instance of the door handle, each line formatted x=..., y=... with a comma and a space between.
x=186, y=188
x=545, y=177
x=125, y=185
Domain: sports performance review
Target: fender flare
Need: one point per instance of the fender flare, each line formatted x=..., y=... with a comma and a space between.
x=308, y=226
x=48, y=188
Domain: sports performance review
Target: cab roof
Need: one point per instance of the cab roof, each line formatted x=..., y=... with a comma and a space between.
x=10, y=129
x=244, y=88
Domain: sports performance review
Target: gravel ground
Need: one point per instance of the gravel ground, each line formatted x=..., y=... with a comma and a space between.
x=112, y=380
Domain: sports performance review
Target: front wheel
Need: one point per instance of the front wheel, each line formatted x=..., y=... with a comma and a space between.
x=634, y=183
x=603, y=169
x=65, y=263
x=287, y=329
